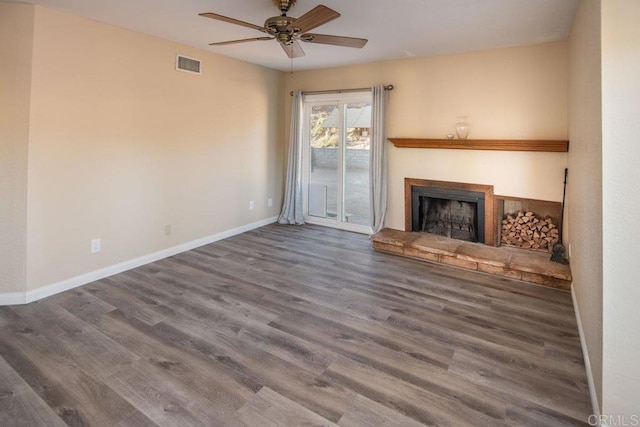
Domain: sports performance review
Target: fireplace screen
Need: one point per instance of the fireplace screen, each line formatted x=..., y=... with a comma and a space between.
x=458, y=214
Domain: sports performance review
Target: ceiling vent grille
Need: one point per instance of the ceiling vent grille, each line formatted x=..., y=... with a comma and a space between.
x=189, y=65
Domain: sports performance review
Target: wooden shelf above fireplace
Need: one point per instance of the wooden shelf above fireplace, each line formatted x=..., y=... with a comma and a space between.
x=542, y=145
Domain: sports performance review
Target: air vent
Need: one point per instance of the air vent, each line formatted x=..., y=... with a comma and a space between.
x=189, y=65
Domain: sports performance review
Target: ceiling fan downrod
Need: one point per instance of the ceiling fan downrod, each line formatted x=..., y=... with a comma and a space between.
x=284, y=5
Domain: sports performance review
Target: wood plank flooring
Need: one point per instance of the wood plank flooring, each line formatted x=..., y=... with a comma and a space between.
x=294, y=326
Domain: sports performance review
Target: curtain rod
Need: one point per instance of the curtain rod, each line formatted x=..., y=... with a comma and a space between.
x=315, y=92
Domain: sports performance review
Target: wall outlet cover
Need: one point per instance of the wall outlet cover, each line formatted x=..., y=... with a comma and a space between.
x=96, y=245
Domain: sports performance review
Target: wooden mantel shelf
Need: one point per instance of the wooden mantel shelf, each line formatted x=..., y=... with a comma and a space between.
x=484, y=144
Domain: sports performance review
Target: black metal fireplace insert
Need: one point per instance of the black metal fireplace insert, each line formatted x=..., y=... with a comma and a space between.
x=458, y=214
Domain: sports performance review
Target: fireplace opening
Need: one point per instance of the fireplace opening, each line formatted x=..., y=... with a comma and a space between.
x=452, y=218
x=454, y=213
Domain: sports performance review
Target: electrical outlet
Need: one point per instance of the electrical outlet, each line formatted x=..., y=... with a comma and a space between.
x=251, y=205
x=167, y=230
x=96, y=245
x=269, y=202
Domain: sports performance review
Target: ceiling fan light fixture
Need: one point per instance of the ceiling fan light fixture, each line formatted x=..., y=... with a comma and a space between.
x=284, y=38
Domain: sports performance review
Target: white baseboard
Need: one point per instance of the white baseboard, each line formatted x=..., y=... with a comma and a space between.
x=14, y=298
x=585, y=356
x=92, y=276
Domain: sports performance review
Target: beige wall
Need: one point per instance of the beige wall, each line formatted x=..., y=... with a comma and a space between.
x=16, y=45
x=507, y=93
x=121, y=145
x=621, y=202
x=584, y=198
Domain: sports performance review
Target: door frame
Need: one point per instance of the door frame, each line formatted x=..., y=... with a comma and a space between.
x=340, y=100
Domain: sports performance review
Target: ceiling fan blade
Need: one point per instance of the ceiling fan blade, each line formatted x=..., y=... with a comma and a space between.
x=317, y=16
x=293, y=50
x=334, y=40
x=232, y=21
x=255, y=39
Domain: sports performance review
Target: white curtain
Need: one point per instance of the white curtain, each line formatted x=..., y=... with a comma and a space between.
x=378, y=160
x=292, y=206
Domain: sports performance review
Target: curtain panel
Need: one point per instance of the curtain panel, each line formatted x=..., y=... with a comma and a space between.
x=378, y=160
x=292, y=205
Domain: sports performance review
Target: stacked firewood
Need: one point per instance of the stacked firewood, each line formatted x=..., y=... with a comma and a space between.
x=527, y=230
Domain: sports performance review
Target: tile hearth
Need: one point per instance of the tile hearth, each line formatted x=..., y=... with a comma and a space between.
x=514, y=263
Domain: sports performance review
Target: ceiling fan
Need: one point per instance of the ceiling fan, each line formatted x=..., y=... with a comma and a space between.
x=288, y=31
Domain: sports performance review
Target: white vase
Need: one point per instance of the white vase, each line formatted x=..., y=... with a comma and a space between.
x=462, y=127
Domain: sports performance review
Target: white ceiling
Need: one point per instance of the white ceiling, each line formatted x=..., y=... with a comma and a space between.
x=395, y=28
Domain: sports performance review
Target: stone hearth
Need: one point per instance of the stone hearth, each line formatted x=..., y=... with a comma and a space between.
x=519, y=264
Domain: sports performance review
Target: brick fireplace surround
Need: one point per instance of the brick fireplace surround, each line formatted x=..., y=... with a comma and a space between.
x=514, y=263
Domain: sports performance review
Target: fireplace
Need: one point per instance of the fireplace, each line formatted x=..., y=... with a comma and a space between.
x=456, y=210
x=458, y=214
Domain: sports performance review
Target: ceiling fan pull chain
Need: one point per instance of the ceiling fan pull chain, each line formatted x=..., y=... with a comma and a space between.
x=291, y=69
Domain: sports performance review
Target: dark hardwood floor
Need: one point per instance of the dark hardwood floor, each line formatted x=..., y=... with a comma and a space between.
x=294, y=326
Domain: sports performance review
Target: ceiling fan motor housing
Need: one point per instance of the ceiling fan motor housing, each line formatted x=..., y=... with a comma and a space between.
x=277, y=26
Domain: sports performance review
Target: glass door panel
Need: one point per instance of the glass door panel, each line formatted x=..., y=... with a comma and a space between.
x=325, y=145
x=356, y=163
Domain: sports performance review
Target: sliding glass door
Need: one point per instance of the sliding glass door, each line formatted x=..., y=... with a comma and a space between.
x=336, y=160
